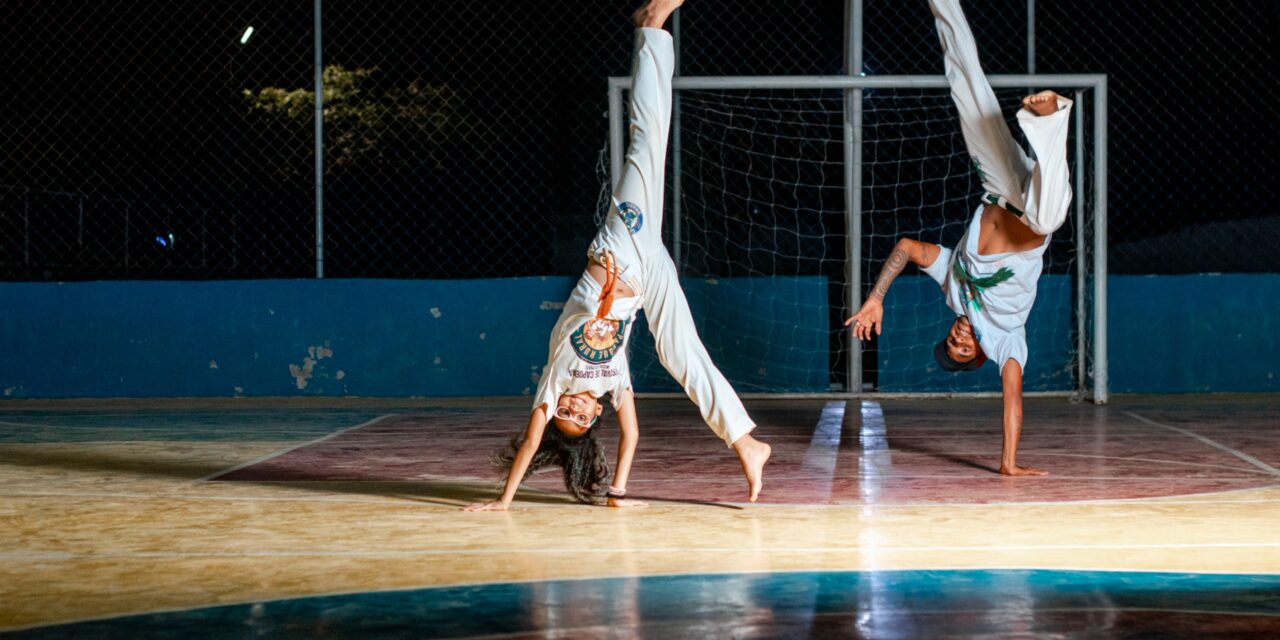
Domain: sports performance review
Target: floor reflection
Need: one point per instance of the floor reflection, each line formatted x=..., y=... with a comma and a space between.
x=876, y=604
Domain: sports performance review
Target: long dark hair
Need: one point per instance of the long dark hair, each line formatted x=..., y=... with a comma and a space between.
x=586, y=471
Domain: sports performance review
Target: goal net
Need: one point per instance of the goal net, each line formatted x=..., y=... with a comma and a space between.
x=783, y=202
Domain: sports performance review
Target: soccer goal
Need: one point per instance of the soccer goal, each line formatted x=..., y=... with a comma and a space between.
x=786, y=194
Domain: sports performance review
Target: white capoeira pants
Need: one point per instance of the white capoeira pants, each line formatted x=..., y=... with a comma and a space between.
x=633, y=232
x=1039, y=191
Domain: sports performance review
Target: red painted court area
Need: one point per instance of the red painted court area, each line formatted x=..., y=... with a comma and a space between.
x=844, y=452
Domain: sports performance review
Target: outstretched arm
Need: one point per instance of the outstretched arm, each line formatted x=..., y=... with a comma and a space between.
x=630, y=427
x=1012, y=378
x=922, y=254
x=532, y=438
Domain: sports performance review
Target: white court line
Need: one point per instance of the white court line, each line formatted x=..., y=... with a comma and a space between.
x=239, y=416
x=396, y=500
x=269, y=456
x=991, y=476
x=578, y=550
x=1151, y=501
x=1049, y=454
x=1032, y=452
x=1239, y=454
x=178, y=495
x=1046, y=454
x=825, y=442
x=824, y=447
x=1153, y=460
x=875, y=460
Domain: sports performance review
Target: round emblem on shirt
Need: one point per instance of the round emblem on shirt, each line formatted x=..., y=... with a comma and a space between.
x=631, y=216
x=597, y=340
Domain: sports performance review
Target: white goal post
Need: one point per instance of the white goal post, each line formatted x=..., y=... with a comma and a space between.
x=1089, y=280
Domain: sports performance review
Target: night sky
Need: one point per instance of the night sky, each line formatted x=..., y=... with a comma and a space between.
x=125, y=122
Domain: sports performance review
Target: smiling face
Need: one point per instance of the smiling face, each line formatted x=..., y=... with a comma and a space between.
x=579, y=407
x=962, y=344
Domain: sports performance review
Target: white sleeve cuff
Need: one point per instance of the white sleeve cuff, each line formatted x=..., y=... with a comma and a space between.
x=941, y=264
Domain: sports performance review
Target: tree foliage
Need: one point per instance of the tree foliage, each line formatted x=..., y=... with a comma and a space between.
x=370, y=126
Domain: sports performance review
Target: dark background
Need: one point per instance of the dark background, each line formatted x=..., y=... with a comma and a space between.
x=125, y=123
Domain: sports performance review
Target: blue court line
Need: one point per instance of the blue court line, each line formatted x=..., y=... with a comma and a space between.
x=969, y=602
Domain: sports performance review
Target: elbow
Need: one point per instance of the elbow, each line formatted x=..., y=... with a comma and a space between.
x=907, y=247
x=630, y=434
x=917, y=252
x=530, y=447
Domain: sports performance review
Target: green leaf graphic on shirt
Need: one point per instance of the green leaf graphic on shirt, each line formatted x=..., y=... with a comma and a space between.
x=975, y=286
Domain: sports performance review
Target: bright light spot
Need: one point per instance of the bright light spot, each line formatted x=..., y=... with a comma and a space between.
x=248, y=33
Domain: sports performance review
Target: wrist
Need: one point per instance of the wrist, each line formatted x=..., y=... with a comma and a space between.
x=616, y=493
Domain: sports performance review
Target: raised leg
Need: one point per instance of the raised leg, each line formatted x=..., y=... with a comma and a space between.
x=1003, y=165
x=639, y=192
x=685, y=357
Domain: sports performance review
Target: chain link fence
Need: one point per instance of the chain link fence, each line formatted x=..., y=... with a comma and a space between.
x=468, y=142
x=130, y=152
x=1191, y=144
x=151, y=140
x=1194, y=148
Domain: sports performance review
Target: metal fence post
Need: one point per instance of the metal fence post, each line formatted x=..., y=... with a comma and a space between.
x=319, y=132
x=853, y=186
x=616, y=86
x=1100, y=390
x=677, y=208
x=1082, y=276
x=1031, y=37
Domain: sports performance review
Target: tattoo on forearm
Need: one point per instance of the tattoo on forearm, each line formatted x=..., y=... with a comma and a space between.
x=892, y=267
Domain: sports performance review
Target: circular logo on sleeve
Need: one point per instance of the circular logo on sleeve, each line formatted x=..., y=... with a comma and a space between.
x=597, y=340
x=631, y=216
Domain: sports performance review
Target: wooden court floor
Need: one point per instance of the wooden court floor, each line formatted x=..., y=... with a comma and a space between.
x=119, y=510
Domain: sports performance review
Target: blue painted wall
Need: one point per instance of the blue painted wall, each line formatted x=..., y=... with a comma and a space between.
x=1216, y=332
x=746, y=321
x=489, y=337
x=358, y=337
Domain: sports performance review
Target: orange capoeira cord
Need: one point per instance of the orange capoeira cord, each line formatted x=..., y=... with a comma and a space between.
x=606, y=291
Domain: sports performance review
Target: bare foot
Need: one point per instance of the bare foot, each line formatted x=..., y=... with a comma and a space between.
x=654, y=13
x=1042, y=104
x=1017, y=470
x=624, y=503
x=753, y=454
x=496, y=505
